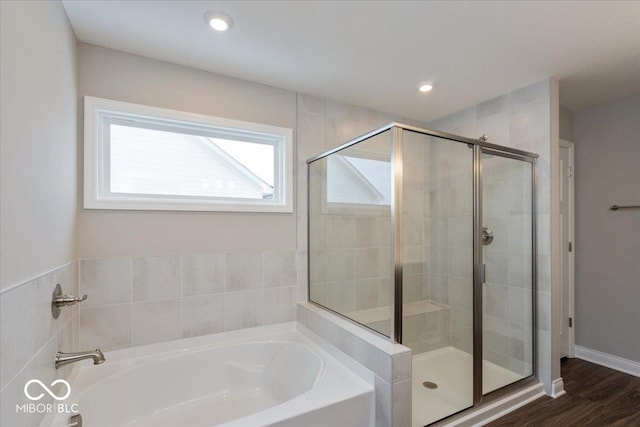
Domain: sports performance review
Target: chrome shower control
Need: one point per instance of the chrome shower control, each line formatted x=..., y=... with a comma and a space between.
x=63, y=300
x=487, y=236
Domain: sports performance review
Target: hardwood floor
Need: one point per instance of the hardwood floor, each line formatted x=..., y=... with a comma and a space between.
x=596, y=396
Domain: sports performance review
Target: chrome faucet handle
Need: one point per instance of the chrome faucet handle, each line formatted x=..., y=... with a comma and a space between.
x=59, y=300
x=66, y=300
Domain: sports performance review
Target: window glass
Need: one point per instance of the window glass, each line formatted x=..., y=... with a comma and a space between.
x=358, y=180
x=139, y=157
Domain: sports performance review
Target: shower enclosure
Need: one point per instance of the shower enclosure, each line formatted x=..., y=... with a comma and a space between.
x=429, y=239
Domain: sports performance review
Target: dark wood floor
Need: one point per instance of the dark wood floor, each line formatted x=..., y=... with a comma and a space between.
x=596, y=396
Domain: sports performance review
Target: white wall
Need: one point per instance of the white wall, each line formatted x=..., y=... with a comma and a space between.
x=566, y=124
x=607, y=162
x=106, y=73
x=38, y=140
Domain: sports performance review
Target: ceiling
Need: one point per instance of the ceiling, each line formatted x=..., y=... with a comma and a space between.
x=375, y=53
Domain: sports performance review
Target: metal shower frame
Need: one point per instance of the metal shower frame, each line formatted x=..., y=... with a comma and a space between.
x=479, y=147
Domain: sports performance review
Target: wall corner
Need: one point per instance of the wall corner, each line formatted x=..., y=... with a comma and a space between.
x=554, y=137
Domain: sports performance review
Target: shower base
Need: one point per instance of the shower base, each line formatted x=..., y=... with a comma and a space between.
x=451, y=370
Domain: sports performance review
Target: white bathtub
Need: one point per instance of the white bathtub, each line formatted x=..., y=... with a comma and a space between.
x=267, y=376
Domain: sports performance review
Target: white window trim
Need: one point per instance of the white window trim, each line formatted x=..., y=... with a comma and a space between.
x=94, y=161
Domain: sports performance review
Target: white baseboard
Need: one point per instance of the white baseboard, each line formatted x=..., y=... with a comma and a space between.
x=610, y=361
x=557, y=388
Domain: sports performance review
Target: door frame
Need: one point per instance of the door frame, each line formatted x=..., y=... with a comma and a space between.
x=571, y=335
x=479, y=271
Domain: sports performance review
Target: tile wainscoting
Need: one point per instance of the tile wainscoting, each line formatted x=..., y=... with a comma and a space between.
x=30, y=339
x=144, y=300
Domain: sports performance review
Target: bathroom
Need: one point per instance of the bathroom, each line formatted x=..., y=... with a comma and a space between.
x=350, y=303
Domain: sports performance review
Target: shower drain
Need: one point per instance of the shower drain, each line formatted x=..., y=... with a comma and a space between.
x=429, y=384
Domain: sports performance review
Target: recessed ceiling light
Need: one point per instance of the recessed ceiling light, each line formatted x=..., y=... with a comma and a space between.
x=219, y=21
x=425, y=87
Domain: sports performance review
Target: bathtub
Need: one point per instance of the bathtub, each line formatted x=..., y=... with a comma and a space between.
x=267, y=376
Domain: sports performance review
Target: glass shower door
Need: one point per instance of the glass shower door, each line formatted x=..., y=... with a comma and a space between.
x=507, y=254
x=429, y=239
x=437, y=273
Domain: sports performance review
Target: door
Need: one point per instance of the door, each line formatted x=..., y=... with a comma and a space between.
x=566, y=262
x=507, y=253
x=437, y=274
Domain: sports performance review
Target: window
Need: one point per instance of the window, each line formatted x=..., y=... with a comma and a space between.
x=358, y=180
x=146, y=158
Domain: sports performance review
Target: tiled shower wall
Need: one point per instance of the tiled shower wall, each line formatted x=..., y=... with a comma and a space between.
x=450, y=241
x=508, y=335
x=450, y=257
x=426, y=326
x=350, y=245
x=31, y=337
x=438, y=214
x=520, y=119
x=415, y=225
x=324, y=124
x=364, y=238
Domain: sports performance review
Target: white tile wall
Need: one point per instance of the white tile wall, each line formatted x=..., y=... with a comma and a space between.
x=155, y=321
x=156, y=278
x=18, y=322
x=107, y=281
x=144, y=300
x=107, y=327
x=243, y=309
x=352, y=258
x=280, y=305
x=280, y=269
x=243, y=271
x=202, y=315
x=391, y=363
x=31, y=337
x=202, y=274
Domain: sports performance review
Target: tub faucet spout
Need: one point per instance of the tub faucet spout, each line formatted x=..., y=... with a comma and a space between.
x=66, y=358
